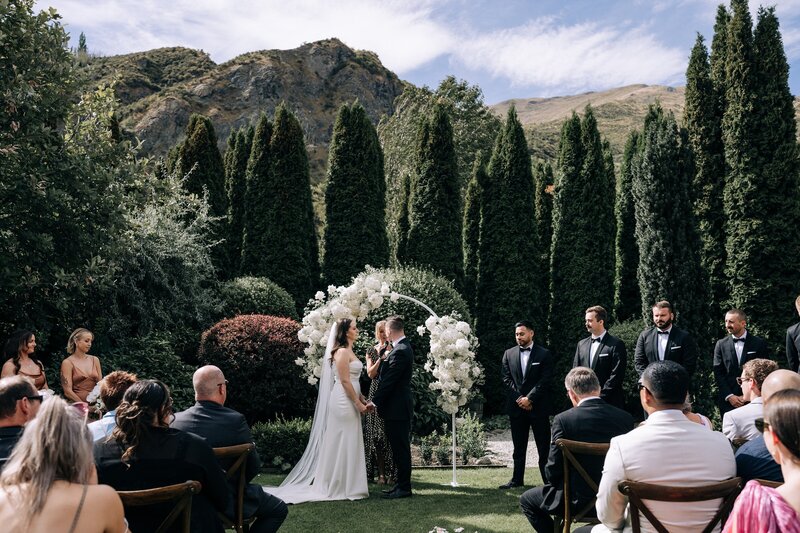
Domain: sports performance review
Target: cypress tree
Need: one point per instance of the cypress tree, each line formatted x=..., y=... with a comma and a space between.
x=719, y=48
x=291, y=253
x=507, y=253
x=704, y=127
x=257, y=201
x=762, y=188
x=669, y=264
x=582, y=255
x=472, y=229
x=236, y=158
x=627, y=298
x=434, y=212
x=354, y=193
x=543, y=208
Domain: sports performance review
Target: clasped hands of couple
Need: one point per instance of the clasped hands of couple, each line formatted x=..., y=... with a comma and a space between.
x=370, y=407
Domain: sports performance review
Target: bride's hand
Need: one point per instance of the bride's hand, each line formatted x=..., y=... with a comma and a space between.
x=361, y=408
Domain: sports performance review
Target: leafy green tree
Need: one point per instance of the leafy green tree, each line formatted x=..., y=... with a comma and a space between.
x=355, y=233
x=704, y=126
x=236, y=158
x=402, y=217
x=434, y=233
x=582, y=256
x=627, y=298
x=507, y=254
x=258, y=201
x=669, y=263
x=762, y=188
x=472, y=229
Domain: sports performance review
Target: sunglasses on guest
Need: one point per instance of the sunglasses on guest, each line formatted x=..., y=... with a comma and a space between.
x=761, y=424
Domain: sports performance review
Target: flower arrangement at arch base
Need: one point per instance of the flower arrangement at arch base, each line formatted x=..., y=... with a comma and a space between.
x=451, y=360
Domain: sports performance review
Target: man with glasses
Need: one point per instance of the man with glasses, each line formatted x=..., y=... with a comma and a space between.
x=19, y=403
x=730, y=354
x=738, y=424
x=220, y=427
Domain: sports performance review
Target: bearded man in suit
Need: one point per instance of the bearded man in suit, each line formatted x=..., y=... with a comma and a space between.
x=603, y=353
x=665, y=342
x=527, y=370
x=730, y=355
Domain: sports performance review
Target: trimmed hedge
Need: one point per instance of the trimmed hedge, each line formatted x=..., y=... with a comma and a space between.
x=281, y=442
x=257, y=354
x=251, y=295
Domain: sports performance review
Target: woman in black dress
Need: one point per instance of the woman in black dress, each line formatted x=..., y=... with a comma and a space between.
x=376, y=446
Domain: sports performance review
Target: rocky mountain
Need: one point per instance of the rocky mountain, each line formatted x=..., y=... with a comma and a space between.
x=160, y=89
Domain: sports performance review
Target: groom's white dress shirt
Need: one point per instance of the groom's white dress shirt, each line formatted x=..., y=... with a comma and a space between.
x=669, y=449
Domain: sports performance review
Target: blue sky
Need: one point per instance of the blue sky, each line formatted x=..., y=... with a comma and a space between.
x=511, y=48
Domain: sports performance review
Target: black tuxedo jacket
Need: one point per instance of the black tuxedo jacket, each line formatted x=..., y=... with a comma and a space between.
x=393, y=395
x=793, y=347
x=727, y=367
x=609, y=365
x=220, y=426
x=681, y=348
x=535, y=386
x=592, y=421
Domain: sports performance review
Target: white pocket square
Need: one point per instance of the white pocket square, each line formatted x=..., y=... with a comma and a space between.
x=534, y=364
x=603, y=355
x=675, y=348
x=748, y=353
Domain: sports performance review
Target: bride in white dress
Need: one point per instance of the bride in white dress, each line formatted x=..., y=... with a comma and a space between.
x=333, y=465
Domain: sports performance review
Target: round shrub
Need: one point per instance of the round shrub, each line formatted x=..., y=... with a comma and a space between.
x=257, y=353
x=439, y=294
x=255, y=296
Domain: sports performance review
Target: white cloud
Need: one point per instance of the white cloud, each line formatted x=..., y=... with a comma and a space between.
x=573, y=57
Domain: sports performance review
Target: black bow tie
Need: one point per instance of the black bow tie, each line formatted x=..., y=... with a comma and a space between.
x=740, y=339
x=524, y=350
x=663, y=332
x=596, y=339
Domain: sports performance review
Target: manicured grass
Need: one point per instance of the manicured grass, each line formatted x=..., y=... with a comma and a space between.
x=477, y=506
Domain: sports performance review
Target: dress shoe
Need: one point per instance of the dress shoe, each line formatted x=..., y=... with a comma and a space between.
x=397, y=493
x=388, y=491
x=510, y=485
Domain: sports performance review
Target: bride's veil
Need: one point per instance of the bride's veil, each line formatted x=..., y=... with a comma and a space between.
x=303, y=473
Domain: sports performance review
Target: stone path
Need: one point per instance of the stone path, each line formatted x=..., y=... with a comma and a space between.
x=501, y=448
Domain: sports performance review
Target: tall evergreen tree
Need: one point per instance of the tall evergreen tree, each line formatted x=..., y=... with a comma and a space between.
x=507, y=253
x=582, y=256
x=669, y=264
x=472, y=229
x=762, y=188
x=402, y=217
x=627, y=298
x=236, y=158
x=257, y=201
x=543, y=208
x=719, y=54
x=434, y=233
x=354, y=193
x=704, y=126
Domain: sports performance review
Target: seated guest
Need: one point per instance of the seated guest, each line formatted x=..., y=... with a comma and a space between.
x=670, y=450
x=591, y=419
x=697, y=418
x=20, y=350
x=112, y=388
x=19, y=403
x=764, y=509
x=50, y=482
x=221, y=426
x=144, y=453
x=753, y=460
x=740, y=423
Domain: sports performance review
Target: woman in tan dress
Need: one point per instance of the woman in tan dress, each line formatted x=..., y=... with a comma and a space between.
x=80, y=372
x=20, y=348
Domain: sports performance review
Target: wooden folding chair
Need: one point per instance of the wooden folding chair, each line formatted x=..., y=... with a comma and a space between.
x=179, y=495
x=570, y=448
x=236, y=456
x=636, y=492
x=768, y=483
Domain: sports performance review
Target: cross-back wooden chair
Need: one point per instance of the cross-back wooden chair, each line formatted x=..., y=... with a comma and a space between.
x=236, y=457
x=769, y=483
x=179, y=495
x=569, y=449
x=636, y=492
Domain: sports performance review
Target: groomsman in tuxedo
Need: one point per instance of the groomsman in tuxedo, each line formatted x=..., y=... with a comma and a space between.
x=730, y=354
x=527, y=370
x=394, y=404
x=793, y=342
x=665, y=342
x=603, y=353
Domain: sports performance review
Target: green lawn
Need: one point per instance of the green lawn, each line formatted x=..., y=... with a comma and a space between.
x=477, y=506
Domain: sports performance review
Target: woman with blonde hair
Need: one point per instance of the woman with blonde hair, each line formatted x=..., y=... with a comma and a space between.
x=80, y=372
x=50, y=483
x=376, y=445
x=20, y=349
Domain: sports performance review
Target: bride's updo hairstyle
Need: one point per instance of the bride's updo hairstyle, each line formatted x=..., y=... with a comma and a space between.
x=146, y=403
x=340, y=341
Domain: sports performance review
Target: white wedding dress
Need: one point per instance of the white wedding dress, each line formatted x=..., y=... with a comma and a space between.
x=333, y=466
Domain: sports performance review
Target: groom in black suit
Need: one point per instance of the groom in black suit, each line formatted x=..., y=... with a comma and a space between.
x=605, y=354
x=527, y=370
x=393, y=402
